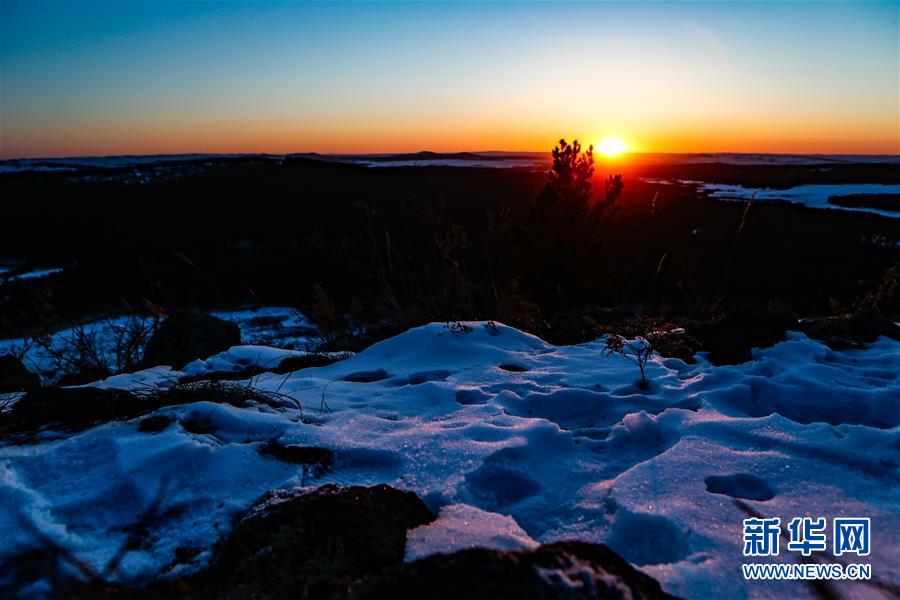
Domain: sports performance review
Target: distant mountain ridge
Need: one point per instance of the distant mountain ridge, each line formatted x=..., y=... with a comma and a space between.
x=430, y=158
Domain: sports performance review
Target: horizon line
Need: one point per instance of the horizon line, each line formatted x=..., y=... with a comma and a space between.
x=426, y=151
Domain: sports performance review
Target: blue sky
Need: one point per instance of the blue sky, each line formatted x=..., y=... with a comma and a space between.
x=146, y=77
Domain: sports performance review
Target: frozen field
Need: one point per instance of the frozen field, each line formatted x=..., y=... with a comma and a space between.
x=512, y=441
x=815, y=196
x=812, y=195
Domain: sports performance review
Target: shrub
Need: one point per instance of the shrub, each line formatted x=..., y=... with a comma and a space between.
x=638, y=351
x=886, y=299
x=81, y=351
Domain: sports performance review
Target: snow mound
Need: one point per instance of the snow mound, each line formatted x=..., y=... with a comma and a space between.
x=513, y=441
x=460, y=526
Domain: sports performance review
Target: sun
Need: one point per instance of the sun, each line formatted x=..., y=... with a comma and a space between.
x=612, y=147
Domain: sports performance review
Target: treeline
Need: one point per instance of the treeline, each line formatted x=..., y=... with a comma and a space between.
x=383, y=249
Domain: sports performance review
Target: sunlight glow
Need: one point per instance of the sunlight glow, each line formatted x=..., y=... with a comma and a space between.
x=612, y=146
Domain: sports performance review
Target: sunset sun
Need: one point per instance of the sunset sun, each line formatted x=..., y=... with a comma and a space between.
x=612, y=146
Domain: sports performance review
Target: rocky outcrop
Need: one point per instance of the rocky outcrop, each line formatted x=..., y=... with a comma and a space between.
x=318, y=461
x=15, y=377
x=69, y=408
x=187, y=336
x=80, y=407
x=86, y=375
x=731, y=339
x=339, y=542
x=314, y=544
x=570, y=570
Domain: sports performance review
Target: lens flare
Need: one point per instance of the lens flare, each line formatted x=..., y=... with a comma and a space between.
x=612, y=146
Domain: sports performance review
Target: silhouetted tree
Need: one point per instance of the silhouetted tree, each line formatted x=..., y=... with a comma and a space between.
x=612, y=190
x=568, y=193
x=566, y=222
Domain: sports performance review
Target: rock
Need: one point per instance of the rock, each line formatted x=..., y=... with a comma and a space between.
x=15, y=377
x=851, y=330
x=315, y=543
x=78, y=407
x=187, y=336
x=730, y=339
x=155, y=423
x=319, y=460
x=568, y=570
x=88, y=375
x=198, y=424
x=70, y=408
x=348, y=542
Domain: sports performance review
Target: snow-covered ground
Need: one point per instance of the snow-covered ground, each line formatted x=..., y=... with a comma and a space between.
x=267, y=325
x=742, y=158
x=508, y=163
x=812, y=195
x=513, y=441
x=35, y=274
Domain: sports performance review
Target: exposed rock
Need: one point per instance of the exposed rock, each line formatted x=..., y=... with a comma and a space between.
x=187, y=336
x=15, y=377
x=155, y=423
x=314, y=544
x=198, y=424
x=563, y=570
x=70, y=408
x=88, y=375
x=850, y=331
x=78, y=407
x=319, y=460
x=336, y=542
x=730, y=339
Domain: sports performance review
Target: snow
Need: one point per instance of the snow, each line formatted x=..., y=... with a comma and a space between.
x=461, y=526
x=35, y=274
x=812, y=195
x=266, y=325
x=508, y=163
x=741, y=158
x=75, y=163
x=567, y=448
x=240, y=358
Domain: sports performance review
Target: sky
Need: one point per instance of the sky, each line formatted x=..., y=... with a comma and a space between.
x=105, y=78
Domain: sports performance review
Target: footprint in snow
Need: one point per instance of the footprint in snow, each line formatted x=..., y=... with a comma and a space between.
x=367, y=376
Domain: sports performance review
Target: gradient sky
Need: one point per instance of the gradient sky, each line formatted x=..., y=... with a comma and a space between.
x=168, y=77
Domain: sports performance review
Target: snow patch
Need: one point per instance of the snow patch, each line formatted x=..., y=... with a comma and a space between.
x=459, y=527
